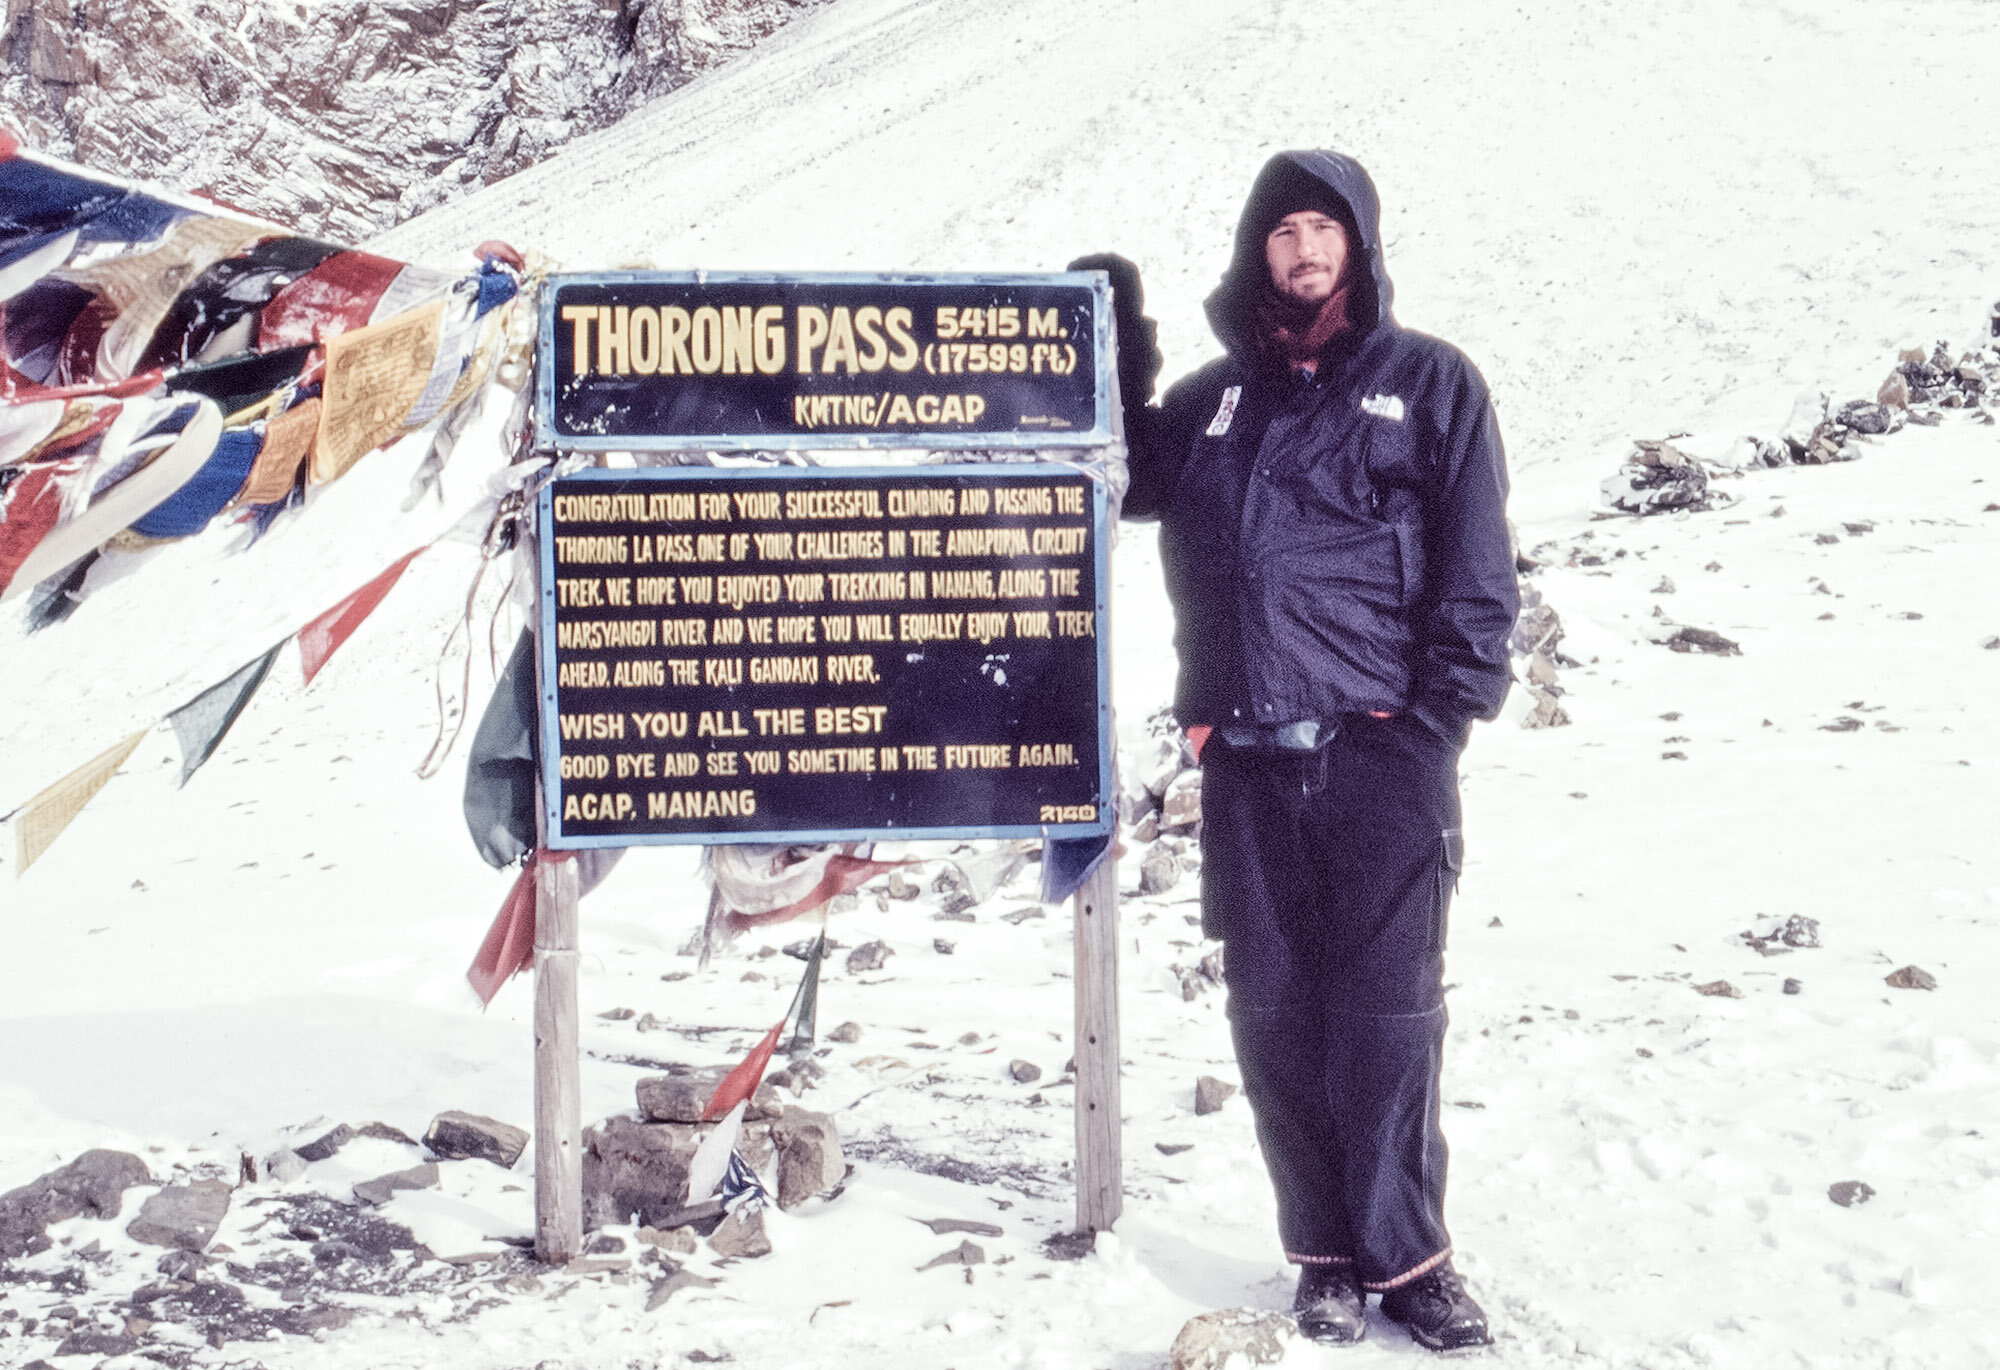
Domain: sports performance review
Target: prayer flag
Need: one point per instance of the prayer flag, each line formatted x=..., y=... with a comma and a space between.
x=509, y=947
x=804, y=1011
x=43, y=818
x=374, y=377
x=321, y=638
x=205, y=720
x=742, y=1082
x=288, y=439
x=710, y=1161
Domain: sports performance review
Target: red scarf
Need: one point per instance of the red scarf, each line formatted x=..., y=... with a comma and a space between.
x=1298, y=331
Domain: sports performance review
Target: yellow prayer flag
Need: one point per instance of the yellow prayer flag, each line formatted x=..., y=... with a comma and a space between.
x=374, y=375
x=43, y=818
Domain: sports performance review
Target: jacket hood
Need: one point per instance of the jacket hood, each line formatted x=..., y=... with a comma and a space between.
x=1292, y=176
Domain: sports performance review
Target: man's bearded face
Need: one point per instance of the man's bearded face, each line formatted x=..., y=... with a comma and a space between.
x=1307, y=253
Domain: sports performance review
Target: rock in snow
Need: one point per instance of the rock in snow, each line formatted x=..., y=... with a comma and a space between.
x=460, y=1136
x=1850, y=1193
x=320, y=1148
x=1252, y=1336
x=869, y=956
x=182, y=1215
x=379, y=1190
x=1210, y=1094
x=93, y=1184
x=741, y=1234
x=1910, y=977
x=810, y=1161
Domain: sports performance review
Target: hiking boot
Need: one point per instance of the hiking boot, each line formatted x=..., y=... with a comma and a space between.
x=1438, y=1312
x=1329, y=1303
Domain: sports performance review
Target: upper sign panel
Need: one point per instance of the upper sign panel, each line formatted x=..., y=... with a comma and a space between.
x=655, y=360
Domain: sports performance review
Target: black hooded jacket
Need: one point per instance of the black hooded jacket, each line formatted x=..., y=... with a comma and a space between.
x=1337, y=543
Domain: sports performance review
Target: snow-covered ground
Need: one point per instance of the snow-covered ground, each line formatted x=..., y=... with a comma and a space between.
x=1639, y=220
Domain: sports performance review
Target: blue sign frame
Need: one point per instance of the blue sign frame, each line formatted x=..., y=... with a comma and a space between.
x=551, y=741
x=1099, y=434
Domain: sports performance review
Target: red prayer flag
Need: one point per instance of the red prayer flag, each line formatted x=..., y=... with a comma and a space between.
x=742, y=1082
x=509, y=947
x=29, y=508
x=321, y=638
x=1197, y=735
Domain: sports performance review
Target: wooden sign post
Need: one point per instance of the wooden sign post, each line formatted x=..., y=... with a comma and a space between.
x=823, y=652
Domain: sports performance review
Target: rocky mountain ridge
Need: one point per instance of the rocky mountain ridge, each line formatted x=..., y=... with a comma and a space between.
x=344, y=117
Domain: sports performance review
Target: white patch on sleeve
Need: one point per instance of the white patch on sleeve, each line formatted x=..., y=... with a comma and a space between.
x=1225, y=413
x=1388, y=407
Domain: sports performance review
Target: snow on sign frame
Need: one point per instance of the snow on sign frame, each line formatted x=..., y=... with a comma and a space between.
x=740, y=361
x=816, y=654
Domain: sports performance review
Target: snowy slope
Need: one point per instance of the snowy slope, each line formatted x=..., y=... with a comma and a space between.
x=1638, y=222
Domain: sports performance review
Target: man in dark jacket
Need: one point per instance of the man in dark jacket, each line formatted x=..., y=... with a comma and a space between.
x=1331, y=502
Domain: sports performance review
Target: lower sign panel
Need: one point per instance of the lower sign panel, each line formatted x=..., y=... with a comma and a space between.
x=787, y=655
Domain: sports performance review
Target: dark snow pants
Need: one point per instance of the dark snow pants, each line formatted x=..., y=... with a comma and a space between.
x=1327, y=874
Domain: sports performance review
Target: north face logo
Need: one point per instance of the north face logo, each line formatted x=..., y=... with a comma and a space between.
x=1388, y=407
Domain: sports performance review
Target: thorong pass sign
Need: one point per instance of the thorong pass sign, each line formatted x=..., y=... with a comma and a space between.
x=788, y=654
x=651, y=361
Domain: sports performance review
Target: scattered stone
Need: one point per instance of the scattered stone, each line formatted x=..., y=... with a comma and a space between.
x=1024, y=1072
x=741, y=1234
x=1865, y=416
x=1211, y=967
x=323, y=1148
x=902, y=887
x=1800, y=931
x=967, y=1252
x=94, y=1184
x=89, y=1343
x=1172, y=1148
x=678, y=1241
x=635, y=1168
x=684, y=1098
x=1159, y=872
x=648, y=1023
x=1850, y=1193
x=1992, y=644
x=1147, y=829
x=1844, y=724
x=1210, y=1094
x=941, y=1227
x=664, y=1289
x=1020, y=916
x=943, y=947
x=383, y=1132
x=458, y=1136
x=1069, y=1246
x=1665, y=587
x=1180, y=810
x=1719, y=989
x=1658, y=477
x=1910, y=977
x=846, y=1032
x=617, y=1015
x=1792, y=986
x=1702, y=640
x=378, y=1191
x=810, y=1160
x=182, y=1215
x=1212, y=1341
x=180, y=1265
x=869, y=956
x=1548, y=711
